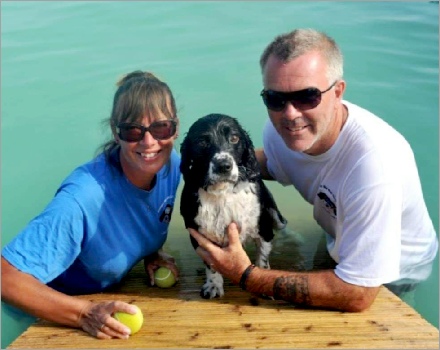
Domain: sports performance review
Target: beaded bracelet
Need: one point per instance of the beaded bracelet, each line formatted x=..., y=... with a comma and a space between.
x=245, y=276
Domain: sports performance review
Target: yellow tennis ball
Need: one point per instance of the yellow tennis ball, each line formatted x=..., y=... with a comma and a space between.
x=134, y=322
x=164, y=278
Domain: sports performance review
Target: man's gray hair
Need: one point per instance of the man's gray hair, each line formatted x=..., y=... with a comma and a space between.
x=289, y=46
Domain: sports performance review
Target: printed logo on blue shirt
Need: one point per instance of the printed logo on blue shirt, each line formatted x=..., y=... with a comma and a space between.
x=165, y=216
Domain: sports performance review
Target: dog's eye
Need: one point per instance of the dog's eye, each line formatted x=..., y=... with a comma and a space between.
x=233, y=139
x=203, y=143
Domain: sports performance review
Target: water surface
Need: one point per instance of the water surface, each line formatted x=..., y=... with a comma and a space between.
x=60, y=62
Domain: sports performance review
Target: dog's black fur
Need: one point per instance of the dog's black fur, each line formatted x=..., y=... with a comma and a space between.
x=223, y=183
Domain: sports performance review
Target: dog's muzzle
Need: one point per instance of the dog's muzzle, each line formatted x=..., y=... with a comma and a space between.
x=223, y=168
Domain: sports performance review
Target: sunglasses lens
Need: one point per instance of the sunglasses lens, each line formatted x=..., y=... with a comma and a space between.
x=307, y=99
x=130, y=133
x=273, y=100
x=162, y=130
x=302, y=100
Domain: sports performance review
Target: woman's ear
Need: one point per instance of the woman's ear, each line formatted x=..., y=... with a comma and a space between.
x=114, y=133
x=176, y=135
x=116, y=137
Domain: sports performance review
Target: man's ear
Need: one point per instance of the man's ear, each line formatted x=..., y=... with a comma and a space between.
x=340, y=89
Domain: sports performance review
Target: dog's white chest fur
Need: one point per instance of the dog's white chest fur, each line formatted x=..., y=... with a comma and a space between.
x=224, y=203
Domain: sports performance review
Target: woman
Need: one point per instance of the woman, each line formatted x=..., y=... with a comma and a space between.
x=106, y=216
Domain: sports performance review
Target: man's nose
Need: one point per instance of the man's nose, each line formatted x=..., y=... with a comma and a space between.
x=291, y=111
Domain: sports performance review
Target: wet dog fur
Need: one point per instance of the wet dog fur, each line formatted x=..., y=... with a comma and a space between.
x=223, y=183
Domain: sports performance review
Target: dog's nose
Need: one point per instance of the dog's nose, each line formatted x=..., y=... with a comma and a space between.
x=222, y=166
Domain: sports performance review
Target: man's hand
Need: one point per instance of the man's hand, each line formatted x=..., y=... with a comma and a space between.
x=229, y=261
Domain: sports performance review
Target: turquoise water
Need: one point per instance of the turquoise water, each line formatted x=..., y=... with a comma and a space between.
x=60, y=62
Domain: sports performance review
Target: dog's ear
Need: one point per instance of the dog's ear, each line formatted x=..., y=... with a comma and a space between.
x=249, y=158
x=186, y=157
x=270, y=209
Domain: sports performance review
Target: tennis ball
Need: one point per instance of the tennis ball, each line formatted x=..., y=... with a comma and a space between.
x=164, y=278
x=134, y=322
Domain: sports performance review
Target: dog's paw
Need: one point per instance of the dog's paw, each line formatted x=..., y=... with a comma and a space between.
x=210, y=291
x=213, y=287
x=262, y=264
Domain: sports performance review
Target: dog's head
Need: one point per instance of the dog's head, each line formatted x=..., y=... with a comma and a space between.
x=217, y=149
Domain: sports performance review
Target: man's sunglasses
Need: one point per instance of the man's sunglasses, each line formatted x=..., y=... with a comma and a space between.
x=301, y=100
x=160, y=130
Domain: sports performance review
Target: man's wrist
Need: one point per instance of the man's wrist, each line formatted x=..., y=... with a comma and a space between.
x=245, y=275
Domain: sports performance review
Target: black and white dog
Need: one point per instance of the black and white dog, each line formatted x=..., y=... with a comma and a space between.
x=223, y=184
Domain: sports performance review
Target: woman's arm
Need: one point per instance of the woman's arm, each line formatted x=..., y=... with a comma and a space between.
x=30, y=295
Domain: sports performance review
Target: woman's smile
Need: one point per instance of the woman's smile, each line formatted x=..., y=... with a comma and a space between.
x=148, y=155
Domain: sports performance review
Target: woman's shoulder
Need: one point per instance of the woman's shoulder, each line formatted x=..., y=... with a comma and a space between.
x=90, y=178
x=173, y=166
x=170, y=173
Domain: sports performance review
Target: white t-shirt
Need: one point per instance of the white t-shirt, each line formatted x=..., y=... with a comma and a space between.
x=367, y=197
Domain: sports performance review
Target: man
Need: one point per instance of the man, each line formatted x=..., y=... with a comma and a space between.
x=356, y=170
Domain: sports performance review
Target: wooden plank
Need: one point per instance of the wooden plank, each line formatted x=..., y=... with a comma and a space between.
x=242, y=321
x=179, y=318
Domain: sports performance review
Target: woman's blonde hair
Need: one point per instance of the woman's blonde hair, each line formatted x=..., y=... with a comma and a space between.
x=139, y=93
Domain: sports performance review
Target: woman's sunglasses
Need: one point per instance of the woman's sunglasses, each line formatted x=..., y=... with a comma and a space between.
x=160, y=130
x=301, y=100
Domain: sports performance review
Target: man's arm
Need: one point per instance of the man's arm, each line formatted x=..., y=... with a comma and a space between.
x=315, y=288
x=262, y=161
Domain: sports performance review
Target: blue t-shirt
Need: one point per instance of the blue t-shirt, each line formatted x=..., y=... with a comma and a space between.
x=96, y=228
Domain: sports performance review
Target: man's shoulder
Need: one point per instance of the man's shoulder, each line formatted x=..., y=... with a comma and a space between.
x=368, y=127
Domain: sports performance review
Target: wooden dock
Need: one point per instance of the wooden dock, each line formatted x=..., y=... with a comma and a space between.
x=179, y=318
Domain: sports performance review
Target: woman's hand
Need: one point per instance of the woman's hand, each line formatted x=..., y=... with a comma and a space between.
x=160, y=259
x=96, y=319
x=230, y=261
